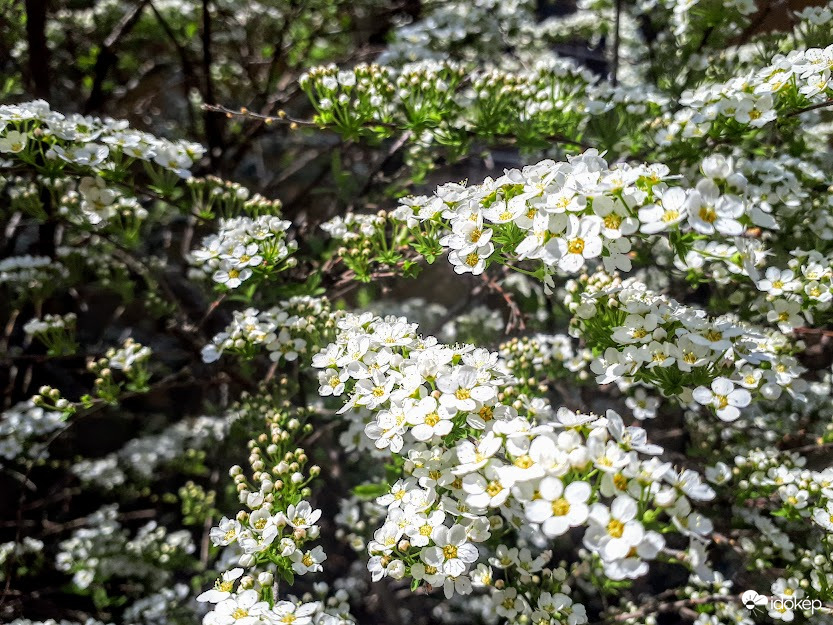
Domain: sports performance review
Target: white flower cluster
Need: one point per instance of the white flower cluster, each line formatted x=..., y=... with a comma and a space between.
x=474, y=464
x=22, y=425
x=352, y=226
x=28, y=547
x=451, y=25
x=653, y=339
x=50, y=323
x=793, y=493
x=816, y=15
x=793, y=295
x=751, y=100
x=103, y=549
x=157, y=608
x=551, y=91
x=568, y=213
x=143, y=457
x=246, y=608
x=213, y=195
x=268, y=536
x=90, y=141
x=101, y=204
x=287, y=331
x=783, y=185
x=243, y=246
x=131, y=354
x=551, y=355
x=31, y=273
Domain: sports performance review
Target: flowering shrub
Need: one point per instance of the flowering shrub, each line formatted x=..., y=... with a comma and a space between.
x=441, y=312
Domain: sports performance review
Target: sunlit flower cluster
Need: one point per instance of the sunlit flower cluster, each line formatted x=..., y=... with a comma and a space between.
x=474, y=464
x=287, y=331
x=752, y=100
x=243, y=248
x=571, y=214
x=89, y=141
x=644, y=337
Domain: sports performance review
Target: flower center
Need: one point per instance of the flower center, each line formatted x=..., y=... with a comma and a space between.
x=560, y=507
x=462, y=393
x=472, y=259
x=616, y=528
x=493, y=488
x=613, y=221
x=708, y=214
x=432, y=419
x=575, y=246
x=523, y=462
x=239, y=613
x=450, y=552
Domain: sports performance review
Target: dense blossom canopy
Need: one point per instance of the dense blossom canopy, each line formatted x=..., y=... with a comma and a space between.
x=589, y=382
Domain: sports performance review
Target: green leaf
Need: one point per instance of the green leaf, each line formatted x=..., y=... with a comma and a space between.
x=371, y=491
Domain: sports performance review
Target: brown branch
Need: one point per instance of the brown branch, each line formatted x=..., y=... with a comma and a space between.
x=812, y=107
x=106, y=57
x=283, y=118
x=516, y=317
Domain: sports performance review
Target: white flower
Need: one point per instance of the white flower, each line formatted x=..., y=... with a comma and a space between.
x=286, y=612
x=824, y=516
x=309, y=561
x=580, y=242
x=473, y=261
x=242, y=609
x=709, y=212
x=302, y=516
x=668, y=210
x=461, y=390
x=231, y=276
x=429, y=419
x=222, y=587
x=489, y=491
x=777, y=282
x=226, y=532
x=614, y=532
x=452, y=553
x=13, y=142
x=786, y=313
x=724, y=397
x=559, y=508
x=642, y=405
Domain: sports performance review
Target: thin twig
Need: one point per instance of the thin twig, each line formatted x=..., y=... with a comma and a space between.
x=812, y=107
